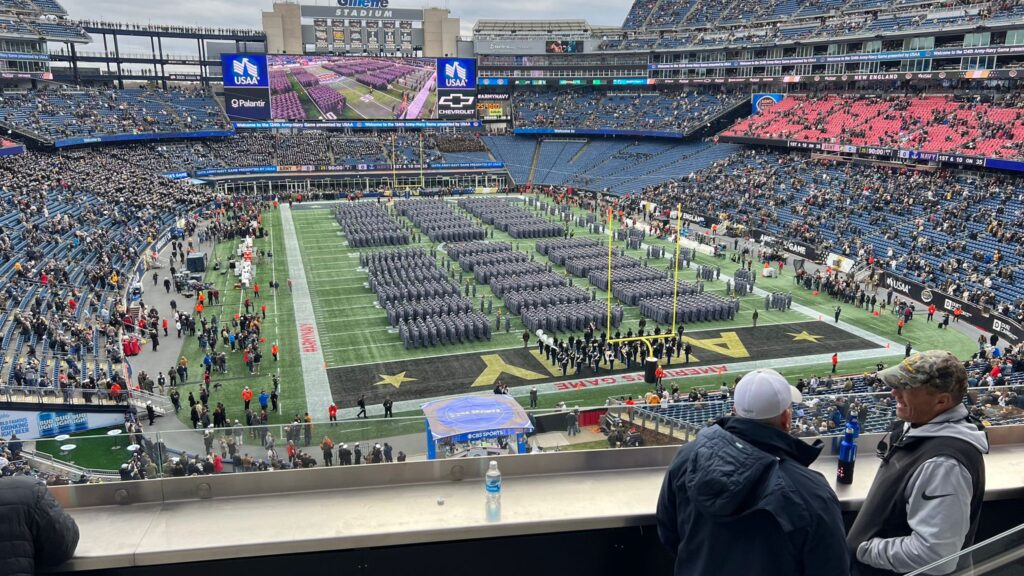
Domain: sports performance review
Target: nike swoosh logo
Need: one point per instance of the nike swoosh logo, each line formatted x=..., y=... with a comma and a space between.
x=927, y=496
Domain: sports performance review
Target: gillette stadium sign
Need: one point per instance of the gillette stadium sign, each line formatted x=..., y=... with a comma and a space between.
x=370, y=9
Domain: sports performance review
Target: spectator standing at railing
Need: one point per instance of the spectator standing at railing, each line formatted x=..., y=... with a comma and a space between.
x=925, y=502
x=744, y=484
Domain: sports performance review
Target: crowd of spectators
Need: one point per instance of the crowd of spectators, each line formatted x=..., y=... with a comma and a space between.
x=679, y=23
x=262, y=148
x=969, y=125
x=455, y=142
x=995, y=397
x=955, y=230
x=65, y=111
x=307, y=147
x=172, y=28
x=76, y=225
x=664, y=111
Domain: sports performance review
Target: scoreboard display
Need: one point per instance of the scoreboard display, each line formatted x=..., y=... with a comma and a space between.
x=323, y=88
x=494, y=106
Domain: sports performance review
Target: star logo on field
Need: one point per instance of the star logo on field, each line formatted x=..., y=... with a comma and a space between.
x=395, y=380
x=804, y=336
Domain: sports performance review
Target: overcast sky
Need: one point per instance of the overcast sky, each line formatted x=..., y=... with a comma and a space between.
x=246, y=13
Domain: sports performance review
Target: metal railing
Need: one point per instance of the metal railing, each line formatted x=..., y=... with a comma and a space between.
x=1000, y=554
x=263, y=447
x=53, y=465
x=57, y=395
x=260, y=446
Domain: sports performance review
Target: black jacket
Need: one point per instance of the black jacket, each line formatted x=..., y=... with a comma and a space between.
x=34, y=530
x=741, y=500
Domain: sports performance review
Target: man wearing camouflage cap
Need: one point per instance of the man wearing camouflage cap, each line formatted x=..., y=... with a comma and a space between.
x=925, y=502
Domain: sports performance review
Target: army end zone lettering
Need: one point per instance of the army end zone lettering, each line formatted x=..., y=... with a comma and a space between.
x=474, y=372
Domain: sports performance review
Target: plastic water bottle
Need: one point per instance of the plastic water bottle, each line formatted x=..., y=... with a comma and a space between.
x=848, y=452
x=492, y=484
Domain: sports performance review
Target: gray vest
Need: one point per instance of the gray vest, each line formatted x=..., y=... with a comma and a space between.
x=884, y=514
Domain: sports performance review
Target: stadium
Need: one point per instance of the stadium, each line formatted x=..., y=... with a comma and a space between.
x=328, y=268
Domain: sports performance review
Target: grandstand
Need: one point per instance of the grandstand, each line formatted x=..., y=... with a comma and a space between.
x=931, y=123
x=673, y=24
x=45, y=19
x=844, y=217
x=25, y=29
x=610, y=166
x=826, y=405
x=653, y=112
x=61, y=113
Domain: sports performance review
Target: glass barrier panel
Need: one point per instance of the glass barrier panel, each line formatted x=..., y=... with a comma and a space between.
x=618, y=424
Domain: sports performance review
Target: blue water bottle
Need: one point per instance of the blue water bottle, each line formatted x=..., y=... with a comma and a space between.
x=848, y=452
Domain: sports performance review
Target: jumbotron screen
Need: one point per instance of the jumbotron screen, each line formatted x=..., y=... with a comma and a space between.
x=311, y=88
x=348, y=88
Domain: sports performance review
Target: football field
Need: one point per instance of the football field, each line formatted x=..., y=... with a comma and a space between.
x=363, y=355
x=366, y=357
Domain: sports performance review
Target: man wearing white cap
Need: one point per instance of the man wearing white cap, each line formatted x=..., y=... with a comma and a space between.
x=741, y=500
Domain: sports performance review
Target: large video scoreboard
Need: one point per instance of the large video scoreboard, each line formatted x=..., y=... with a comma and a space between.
x=362, y=26
x=322, y=88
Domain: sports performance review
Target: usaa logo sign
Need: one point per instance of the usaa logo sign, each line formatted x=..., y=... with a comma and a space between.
x=456, y=73
x=245, y=70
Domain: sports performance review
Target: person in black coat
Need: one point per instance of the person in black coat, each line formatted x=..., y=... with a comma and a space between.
x=35, y=532
x=744, y=484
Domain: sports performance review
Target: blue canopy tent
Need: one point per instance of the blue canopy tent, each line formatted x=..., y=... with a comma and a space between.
x=475, y=418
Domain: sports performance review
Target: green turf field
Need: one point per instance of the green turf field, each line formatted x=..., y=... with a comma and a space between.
x=93, y=449
x=353, y=330
x=278, y=327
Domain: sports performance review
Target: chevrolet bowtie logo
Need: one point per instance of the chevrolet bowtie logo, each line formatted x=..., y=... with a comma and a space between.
x=457, y=101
